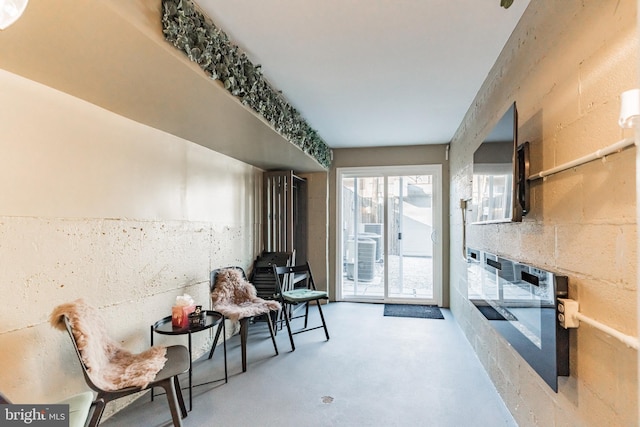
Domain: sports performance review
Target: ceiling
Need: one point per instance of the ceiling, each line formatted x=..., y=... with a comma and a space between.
x=389, y=73
x=372, y=73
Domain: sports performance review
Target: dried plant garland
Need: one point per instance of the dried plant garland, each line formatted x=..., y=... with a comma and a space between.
x=190, y=31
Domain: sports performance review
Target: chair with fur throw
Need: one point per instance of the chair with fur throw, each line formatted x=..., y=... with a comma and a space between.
x=114, y=372
x=234, y=297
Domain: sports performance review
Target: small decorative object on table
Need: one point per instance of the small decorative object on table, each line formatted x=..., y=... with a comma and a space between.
x=198, y=317
x=180, y=311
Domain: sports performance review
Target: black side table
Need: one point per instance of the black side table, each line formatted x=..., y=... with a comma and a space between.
x=164, y=327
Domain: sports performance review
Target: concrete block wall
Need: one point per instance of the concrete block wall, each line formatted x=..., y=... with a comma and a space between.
x=565, y=66
x=99, y=207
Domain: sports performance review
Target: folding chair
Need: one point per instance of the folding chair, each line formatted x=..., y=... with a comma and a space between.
x=295, y=286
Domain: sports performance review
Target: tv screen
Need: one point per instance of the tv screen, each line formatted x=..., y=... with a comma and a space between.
x=494, y=195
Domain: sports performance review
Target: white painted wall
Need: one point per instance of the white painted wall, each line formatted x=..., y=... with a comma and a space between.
x=97, y=206
x=565, y=66
x=318, y=228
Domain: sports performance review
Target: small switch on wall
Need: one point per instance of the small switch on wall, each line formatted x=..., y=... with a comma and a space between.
x=567, y=310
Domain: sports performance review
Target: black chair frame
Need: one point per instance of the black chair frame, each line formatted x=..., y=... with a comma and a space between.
x=286, y=278
x=265, y=282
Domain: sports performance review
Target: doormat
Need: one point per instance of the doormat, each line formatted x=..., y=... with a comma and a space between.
x=410, y=310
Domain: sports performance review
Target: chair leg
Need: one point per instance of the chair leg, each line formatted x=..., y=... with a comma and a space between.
x=273, y=315
x=285, y=309
x=172, y=399
x=244, y=326
x=272, y=332
x=326, y=331
x=215, y=340
x=97, y=412
x=306, y=314
x=176, y=385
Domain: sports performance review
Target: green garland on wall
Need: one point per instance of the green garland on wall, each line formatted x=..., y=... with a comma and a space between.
x=190, y=31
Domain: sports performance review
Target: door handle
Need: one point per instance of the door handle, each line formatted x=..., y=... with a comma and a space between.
x=434, y=236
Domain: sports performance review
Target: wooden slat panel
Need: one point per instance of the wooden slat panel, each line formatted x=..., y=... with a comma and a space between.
x=278, y=216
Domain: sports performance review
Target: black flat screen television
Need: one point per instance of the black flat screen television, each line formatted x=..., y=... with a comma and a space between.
x=499, y=180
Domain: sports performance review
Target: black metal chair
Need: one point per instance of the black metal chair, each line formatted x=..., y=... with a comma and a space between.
x=262, y=272
x=177, y=363
x=265, y=282
x=243, y=310
x=295, y=286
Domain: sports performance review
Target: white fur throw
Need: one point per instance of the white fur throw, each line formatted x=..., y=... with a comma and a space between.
x=236, y=298
x=109, y=366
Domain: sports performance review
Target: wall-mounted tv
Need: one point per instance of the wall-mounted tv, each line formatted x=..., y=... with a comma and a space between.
x=499, y=180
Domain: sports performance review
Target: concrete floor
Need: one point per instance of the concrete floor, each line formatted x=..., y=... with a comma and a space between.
x=374, y=371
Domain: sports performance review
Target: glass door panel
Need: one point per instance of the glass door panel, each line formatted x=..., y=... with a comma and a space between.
x=410, y=202
x=362, y=237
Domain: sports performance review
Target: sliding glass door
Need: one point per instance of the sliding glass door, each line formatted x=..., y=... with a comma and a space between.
x=389, y=223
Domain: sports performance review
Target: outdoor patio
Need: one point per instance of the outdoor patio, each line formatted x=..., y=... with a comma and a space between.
x=417, y=273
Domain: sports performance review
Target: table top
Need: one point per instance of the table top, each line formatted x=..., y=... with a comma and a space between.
x=164, y=326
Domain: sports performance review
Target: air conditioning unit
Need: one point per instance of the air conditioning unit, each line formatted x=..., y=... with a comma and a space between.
x=374, y=231
x=366, y=259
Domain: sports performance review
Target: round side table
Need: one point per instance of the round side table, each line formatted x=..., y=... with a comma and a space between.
x=213, y=318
